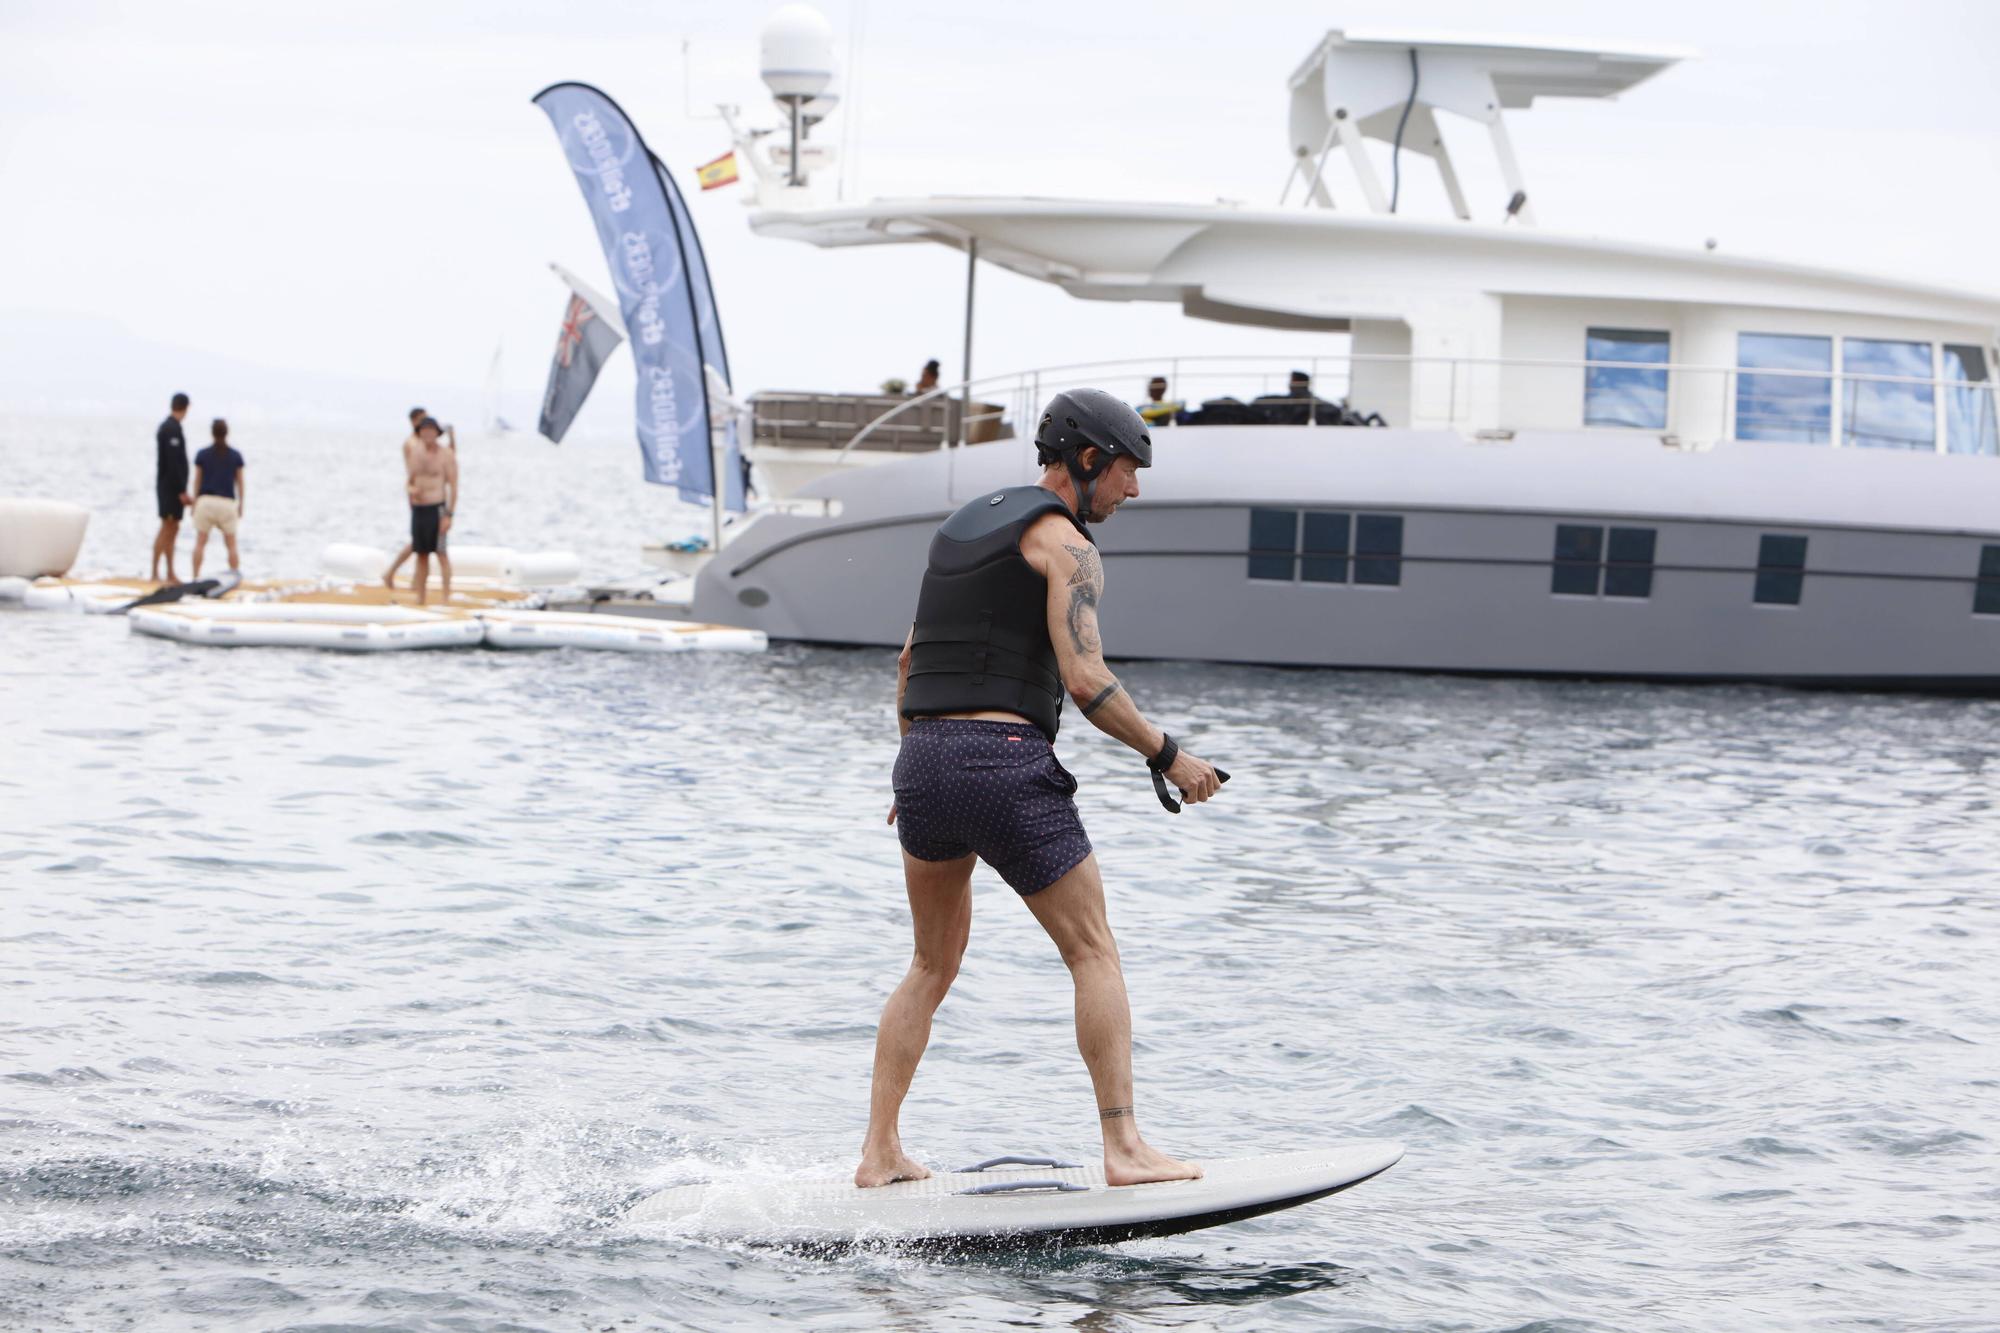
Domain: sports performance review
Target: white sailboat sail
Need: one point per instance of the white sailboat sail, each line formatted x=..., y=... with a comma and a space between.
x=496, y=421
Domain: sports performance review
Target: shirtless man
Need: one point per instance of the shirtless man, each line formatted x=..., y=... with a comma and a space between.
x=1006, y=623
x=389, y=579
x=433, y=491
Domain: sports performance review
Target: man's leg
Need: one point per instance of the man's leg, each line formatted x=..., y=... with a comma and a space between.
x=423, y=576
x=170, y=535
x=389, y=577
x=159, y=549
x=200, y=545
x=229, y=540
x=941, y=912
x=1072, y=911
x=444, y=571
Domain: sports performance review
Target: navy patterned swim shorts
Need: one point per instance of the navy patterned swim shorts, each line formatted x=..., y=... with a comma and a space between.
x=967, y=786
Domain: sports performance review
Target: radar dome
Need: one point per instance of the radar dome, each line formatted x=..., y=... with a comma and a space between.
x=796, y=53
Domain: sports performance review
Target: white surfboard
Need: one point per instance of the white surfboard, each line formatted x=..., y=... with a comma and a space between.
x=1009, y=1201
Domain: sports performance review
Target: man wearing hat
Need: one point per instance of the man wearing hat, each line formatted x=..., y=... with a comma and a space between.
x=433, y=490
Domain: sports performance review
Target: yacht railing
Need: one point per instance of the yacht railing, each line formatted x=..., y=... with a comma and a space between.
x=1496, y=396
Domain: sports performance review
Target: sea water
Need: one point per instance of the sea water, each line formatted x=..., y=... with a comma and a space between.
x=367, y=992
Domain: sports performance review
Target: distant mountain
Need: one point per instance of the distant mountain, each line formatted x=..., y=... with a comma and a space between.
x=58, y=364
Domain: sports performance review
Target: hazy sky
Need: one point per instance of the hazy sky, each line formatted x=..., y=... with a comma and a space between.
x=361, y=195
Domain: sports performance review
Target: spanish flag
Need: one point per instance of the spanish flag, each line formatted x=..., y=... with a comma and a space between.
x=720, y=172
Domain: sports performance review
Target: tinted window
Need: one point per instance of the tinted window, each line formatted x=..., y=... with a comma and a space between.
x=1378, y=542
x=1887, y=413
x=1784, y=407
x=1628, y=570
x=1986, y=594
x=1969, y=417
x=1324, y=544
x=1780, y=565
x=1578, y=551
x=1625, y=395
x=1273, y=539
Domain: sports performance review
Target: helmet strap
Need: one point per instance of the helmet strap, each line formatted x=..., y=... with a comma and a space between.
x=1086, y=481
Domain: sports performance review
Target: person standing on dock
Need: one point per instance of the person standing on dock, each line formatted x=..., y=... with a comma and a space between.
x=389, y=578
x=1006, y=624
x=170, y=486
x=218, y=494
x=433, y=489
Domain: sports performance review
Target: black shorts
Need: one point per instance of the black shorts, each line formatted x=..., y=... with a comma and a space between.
x=170, y=503
x=994, y=789
x=424, y=523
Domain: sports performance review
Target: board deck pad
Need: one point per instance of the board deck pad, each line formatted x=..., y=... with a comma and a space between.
x=1045, y=1204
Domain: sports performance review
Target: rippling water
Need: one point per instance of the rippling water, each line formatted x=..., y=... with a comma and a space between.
x=366, y=992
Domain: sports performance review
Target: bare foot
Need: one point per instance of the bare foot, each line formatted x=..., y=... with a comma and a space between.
x=887, y=1168
x=1141, y=1164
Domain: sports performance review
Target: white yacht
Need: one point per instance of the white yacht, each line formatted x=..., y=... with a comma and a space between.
x=1595, y=457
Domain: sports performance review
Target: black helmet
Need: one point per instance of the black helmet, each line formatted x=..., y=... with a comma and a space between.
x=1079, y=417
x=1074, y=420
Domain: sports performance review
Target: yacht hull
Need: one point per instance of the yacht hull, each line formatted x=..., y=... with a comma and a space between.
x=1886, y=594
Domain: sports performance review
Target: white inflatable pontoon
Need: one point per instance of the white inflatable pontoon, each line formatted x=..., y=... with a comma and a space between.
x=40, y=537
x=497, y=564
x=627, y=634
x=91, y=598
x=342, y=627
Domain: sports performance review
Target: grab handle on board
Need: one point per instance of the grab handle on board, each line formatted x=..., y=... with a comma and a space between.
x=1010, y=1186
x=1014, y=1160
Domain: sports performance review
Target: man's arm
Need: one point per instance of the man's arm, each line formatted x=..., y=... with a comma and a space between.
x=450, y=487
x=1075, y=577
x=902, y=683
x=903, y=680
x=239, y=492
x=194, y=482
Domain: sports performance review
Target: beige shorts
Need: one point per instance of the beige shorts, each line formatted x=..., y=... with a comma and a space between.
x=213, y=511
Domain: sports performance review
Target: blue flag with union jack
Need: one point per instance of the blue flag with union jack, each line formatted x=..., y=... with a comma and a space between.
x=585, y=343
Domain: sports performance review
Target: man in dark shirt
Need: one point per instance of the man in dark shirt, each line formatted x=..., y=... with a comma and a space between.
x=218, y=495
x=170, y=486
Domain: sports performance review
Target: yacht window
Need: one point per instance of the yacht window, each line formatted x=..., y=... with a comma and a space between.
x=1628, y=570
x=1887, y=413
x=1378, y=549
x=1324, y=548
x=1579, y=550
x=1274, y=542
x=1625, y=395
x=1970, y=426
x=1795, y=407
x=1986, y=593
x=1781, y=563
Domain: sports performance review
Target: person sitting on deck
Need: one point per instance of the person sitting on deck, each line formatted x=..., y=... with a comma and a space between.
x=1158, y=409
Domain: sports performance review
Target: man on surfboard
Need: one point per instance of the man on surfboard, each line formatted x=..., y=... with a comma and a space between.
x=1006, y=624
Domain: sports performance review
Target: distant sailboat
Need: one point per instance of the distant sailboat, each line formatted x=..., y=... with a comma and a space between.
x=496, y=424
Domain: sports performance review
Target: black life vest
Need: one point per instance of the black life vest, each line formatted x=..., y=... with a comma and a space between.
x=981, y=639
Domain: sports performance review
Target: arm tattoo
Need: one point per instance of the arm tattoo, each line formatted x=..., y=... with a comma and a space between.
x=1115, y=1113
x=1088, y=570
x=1084, y=587
x=1103, y=698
